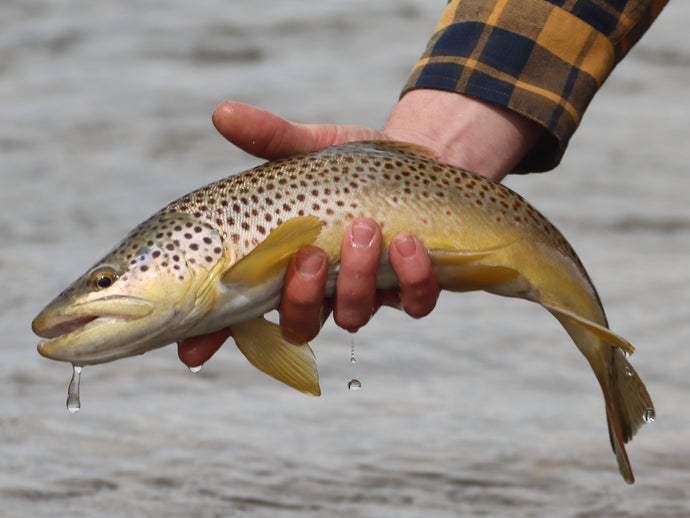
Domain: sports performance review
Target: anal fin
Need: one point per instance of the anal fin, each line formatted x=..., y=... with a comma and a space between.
x=600, y=331
x=278, y=352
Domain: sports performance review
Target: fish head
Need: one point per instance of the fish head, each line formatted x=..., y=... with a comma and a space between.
x=158, y=282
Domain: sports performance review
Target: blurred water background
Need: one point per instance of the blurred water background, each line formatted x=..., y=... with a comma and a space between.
x=485, y=408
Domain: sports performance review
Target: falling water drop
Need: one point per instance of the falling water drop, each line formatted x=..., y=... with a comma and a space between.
x=649, y=415
x=196, y=369
x=354, y=384
x=73, y=403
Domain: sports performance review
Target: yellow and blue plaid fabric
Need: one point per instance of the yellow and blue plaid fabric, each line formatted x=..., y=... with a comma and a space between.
x=544, y=59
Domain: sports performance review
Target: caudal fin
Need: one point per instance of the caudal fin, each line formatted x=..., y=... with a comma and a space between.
x=628, y=407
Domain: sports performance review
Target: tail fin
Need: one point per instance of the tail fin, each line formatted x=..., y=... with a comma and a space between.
x=628, y=405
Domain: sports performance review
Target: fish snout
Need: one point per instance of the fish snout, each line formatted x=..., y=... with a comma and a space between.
x=87, y=332
x=46, y=327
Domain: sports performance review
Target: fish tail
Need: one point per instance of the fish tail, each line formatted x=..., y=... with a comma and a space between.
x=628, y=407
x=628, y=404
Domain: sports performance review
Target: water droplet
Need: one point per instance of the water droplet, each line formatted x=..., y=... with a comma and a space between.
x=354, y=384
x=649, y=415
x=353, y=359
x=73, y=403
x=196, y=369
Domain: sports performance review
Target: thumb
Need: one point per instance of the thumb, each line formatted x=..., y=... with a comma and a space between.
x=267, y=135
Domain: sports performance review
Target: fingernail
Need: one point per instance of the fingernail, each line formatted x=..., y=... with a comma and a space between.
x=362, y=235
x=308, y=265
x=406, y=245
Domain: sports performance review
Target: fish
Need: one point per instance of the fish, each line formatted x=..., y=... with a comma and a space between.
x=216, y=258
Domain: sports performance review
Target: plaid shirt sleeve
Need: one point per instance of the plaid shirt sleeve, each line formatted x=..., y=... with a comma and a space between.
x=544, y=59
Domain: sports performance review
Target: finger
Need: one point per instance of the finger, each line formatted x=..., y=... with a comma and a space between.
x=355, y=293
x=196, y=351
x=416, y=278
x=302, y=304
x=267, y=135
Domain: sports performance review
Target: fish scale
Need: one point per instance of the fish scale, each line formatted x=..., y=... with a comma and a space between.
x=340, y=183
x=216, y=258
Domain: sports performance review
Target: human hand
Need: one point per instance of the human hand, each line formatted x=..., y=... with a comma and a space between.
x=303, y=307
x=460, y=130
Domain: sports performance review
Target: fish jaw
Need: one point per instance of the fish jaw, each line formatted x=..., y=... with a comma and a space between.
x=95, y=331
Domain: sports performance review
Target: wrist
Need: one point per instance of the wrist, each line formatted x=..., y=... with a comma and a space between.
x=464, y=131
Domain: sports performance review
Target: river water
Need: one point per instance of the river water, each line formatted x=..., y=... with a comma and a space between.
x=485, y=408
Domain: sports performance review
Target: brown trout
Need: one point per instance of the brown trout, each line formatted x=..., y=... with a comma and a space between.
x=217, y=257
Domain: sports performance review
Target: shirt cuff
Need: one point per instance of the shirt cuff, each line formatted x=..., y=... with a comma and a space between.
x=532, y=57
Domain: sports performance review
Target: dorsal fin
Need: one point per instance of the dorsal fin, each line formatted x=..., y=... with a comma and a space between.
x=401, y=148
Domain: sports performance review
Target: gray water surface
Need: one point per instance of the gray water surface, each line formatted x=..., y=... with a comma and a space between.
x=485, y=408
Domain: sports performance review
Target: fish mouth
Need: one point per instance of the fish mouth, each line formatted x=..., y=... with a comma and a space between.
x=61, y=327
x=83, y=333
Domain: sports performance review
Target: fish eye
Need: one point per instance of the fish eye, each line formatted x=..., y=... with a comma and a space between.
x=103, y=278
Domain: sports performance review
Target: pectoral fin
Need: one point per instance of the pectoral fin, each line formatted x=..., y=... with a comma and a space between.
x=602, y=332
x=278, y=352
x=455, y=271
x=273, y=254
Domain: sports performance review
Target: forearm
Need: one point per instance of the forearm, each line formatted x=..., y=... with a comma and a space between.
x=464, y=131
